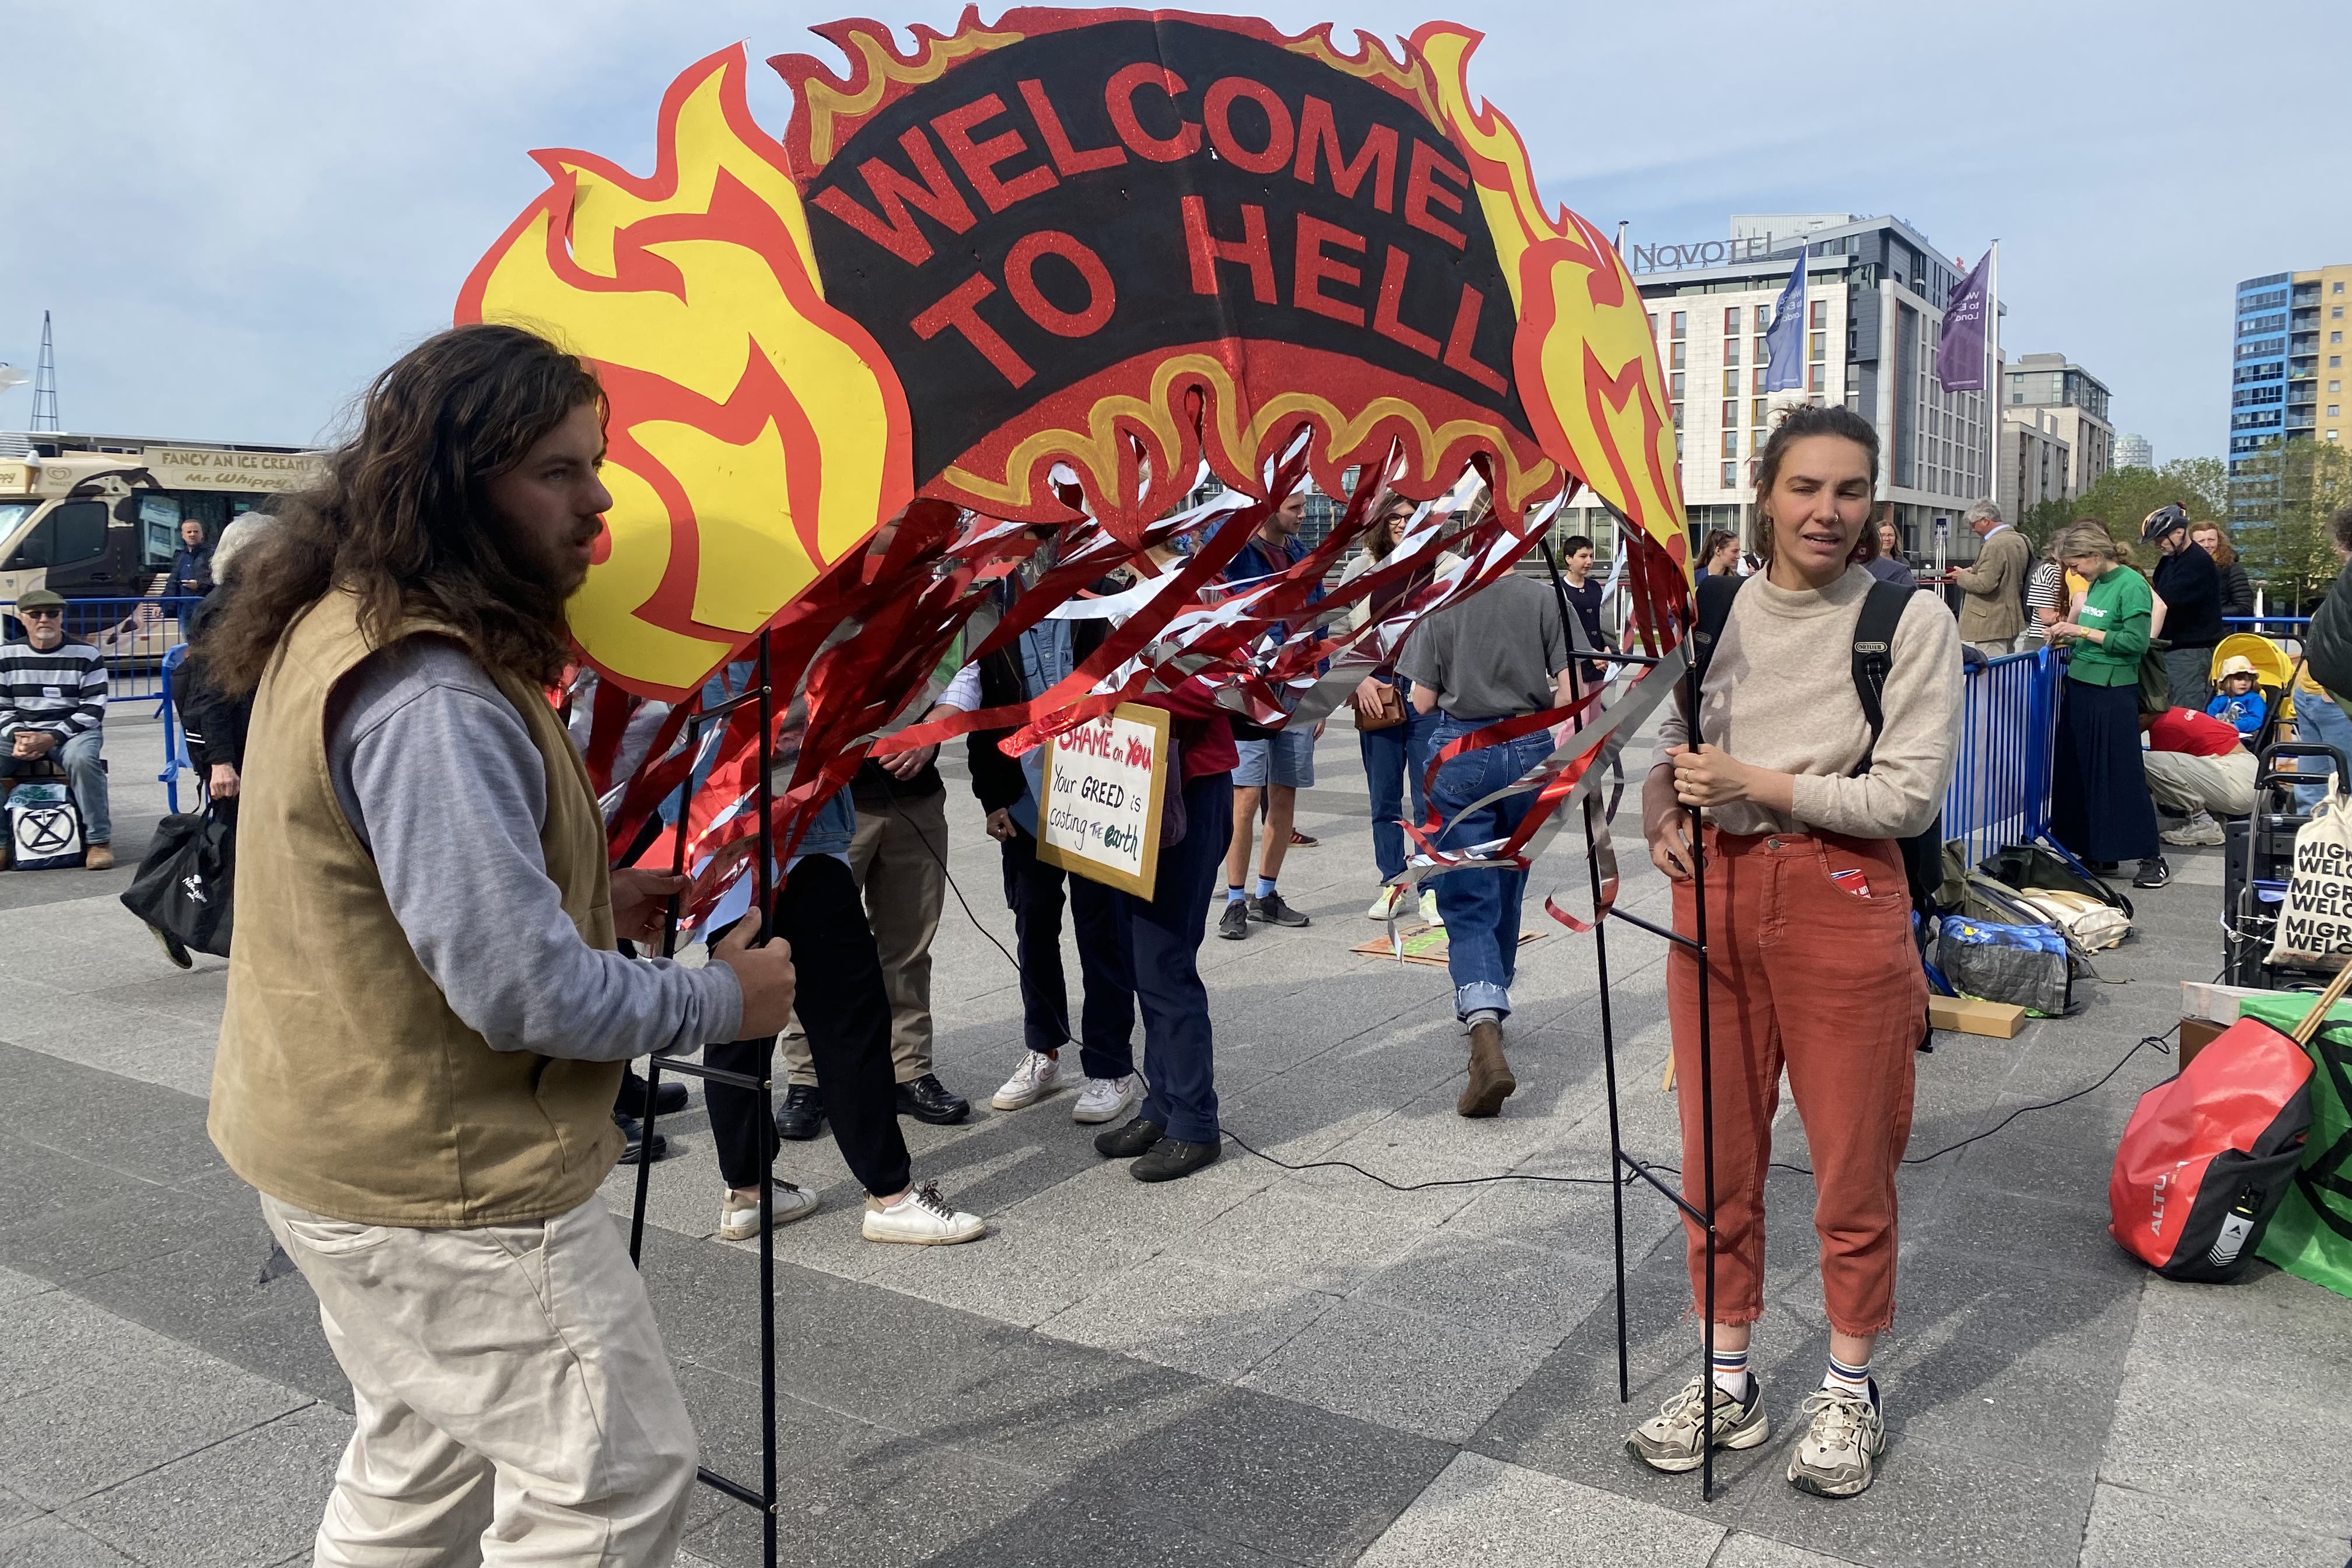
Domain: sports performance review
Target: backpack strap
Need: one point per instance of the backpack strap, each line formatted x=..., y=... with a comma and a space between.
x=1874, y=656
x=1713, y=598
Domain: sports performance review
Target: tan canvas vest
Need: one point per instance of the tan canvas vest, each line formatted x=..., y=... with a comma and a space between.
x=343, y=1083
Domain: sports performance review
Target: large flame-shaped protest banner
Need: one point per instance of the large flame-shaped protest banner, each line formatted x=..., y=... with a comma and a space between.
x=964, y=341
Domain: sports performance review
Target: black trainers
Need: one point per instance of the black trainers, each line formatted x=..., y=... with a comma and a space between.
x=2153, y=873
x=669, y=1101
x=802, y=1115
x=173, y=948
x=1233, y=924
x=1172, y=1159
x=1274, y=911
x=926, y=1099
x=636, y=1148
x=1127, y=1142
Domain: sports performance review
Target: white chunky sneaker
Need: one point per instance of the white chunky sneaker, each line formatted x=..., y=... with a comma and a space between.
x=2199, y=830
x=1838, y=1453
x=922, y=1218
x=739, y=1219
x=1038, y=1075
x=1106, y=1099
x=1391, y=901
x=1429, y=915
x=1669, y=1440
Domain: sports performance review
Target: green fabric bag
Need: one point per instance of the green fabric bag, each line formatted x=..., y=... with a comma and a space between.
x=2311, y=1235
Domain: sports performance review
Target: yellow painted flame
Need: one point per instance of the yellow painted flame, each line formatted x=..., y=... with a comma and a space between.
x=757, y=434
x=1586, y=363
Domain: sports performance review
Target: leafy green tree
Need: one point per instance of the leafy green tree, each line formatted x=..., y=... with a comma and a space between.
x=2120, y=497
x=2301, y=486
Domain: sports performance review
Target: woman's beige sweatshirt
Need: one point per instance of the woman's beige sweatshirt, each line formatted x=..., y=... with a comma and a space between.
x=1780, y=694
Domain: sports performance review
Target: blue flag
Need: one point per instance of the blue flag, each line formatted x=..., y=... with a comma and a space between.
x=1784, y=343
x=1960, y=346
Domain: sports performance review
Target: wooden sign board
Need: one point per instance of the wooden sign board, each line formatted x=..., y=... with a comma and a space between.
x=1106, y=784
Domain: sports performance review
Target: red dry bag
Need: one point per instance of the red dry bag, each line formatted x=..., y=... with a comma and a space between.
x=2209, y=1154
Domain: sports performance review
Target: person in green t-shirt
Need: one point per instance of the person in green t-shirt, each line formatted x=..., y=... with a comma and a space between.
x=2099, y=804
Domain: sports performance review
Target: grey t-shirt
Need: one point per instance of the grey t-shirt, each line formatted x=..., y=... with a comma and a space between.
x=1494, y=655
x=437, y=774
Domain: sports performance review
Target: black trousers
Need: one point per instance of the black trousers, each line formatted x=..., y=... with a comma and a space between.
x=846, y=1010
x=1032, y=890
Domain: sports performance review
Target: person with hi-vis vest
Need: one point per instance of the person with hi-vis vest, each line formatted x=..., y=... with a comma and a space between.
x=426, y=1020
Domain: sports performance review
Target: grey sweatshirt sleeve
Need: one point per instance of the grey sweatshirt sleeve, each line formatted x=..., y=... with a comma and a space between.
x=438, y=774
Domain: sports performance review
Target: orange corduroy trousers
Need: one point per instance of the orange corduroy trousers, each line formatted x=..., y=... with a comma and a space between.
x=1816, y=971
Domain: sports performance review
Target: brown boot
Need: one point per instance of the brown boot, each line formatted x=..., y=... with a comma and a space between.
x=1491, y=1082
x=98, y=857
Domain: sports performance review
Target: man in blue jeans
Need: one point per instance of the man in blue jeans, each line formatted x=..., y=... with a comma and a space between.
x=1503, y=653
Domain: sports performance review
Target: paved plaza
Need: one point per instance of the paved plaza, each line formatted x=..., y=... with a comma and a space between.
x=1253, y=1366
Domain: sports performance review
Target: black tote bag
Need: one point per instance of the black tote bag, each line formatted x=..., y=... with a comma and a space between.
x=184, y=885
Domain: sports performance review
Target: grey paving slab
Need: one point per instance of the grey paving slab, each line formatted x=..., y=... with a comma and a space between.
x=254, y=1498
x=1215, y=1323
x=2202, y=1359
x=47, y=1542
x=110, y=1400
x=1485, y=1514
x=2130, y=1528
x=1412, y=1371
x=1742, y=1549
x=854, y=1493
x=1521, y=1293
x=14, y=1509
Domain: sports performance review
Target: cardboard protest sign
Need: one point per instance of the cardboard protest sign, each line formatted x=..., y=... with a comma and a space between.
x=1106, y=785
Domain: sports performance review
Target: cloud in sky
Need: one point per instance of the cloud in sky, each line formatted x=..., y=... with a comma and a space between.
x=238, y=213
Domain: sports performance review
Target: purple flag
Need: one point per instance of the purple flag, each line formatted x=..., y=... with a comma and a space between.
x=1961, y=351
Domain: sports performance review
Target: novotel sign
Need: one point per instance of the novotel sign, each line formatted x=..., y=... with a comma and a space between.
x=1706, y=253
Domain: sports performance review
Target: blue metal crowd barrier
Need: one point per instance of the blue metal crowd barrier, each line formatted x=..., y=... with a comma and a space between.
x=131, y=634
x=1999, y=793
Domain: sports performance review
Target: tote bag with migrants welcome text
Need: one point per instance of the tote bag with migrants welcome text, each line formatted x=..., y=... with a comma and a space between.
x=2316, y=920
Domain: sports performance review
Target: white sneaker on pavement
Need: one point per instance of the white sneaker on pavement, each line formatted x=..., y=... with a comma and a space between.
x=1106, y=1099
x=1391, y=901
x=738, y=1219
x=922, y=1218
x=1429, y=915
x=1038, y=1075
x=1838, y=1453
x=2199, y=830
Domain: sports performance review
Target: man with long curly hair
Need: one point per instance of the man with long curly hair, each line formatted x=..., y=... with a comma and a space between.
x=426, y=1020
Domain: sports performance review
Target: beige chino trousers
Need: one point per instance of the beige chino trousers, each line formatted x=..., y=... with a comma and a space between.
x=514, y=1402
x=2186, y=785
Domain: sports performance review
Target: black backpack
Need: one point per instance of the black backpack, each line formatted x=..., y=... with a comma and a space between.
x=1874, y=658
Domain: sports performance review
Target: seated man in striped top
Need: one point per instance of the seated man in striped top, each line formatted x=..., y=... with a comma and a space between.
x=53, y=710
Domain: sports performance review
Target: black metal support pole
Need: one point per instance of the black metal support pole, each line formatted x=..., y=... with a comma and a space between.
x=669, y=950
x=767, y=874
x=1608, y=1023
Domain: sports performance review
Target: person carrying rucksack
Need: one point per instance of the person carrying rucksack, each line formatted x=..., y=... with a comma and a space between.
x=1810, y=961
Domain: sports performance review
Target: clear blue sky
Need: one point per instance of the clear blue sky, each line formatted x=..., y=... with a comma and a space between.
x=237, y=212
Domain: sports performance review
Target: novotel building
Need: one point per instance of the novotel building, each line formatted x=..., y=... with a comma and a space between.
x=1874, y=296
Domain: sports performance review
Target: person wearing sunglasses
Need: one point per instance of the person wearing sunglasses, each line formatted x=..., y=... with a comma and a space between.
x=53, y=714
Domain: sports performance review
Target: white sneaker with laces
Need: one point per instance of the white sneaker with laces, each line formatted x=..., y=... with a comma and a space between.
x=1669, y=1440
x=1391, y=900
x=1106, y=1099
x=1038, y=1075
x=1429, y=915
x=2199, y=830
x=1837, y=1455
x=738, y=1219
x=922, y=1218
